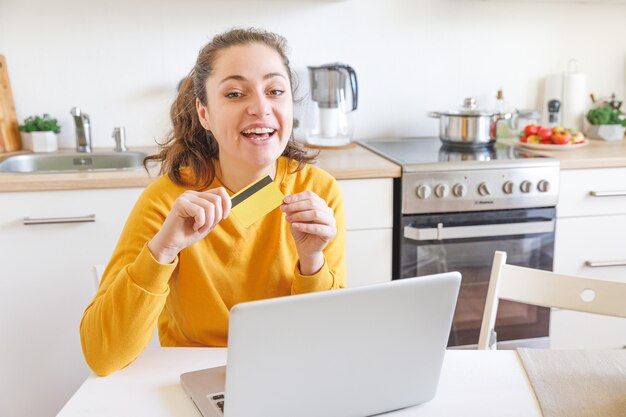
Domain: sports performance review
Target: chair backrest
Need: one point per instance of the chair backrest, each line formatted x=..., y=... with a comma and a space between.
x=98, y=271
x=547, y=289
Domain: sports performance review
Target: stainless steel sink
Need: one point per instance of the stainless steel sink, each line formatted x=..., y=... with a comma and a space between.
x=68, y=162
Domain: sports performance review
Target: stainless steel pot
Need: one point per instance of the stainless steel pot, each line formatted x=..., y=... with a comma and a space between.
x=469, y=126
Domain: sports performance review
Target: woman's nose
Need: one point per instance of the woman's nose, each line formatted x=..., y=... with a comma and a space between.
x=259, y=105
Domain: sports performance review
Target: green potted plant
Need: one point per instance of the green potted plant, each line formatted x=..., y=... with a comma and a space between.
x=606, y=122
x=39, y=133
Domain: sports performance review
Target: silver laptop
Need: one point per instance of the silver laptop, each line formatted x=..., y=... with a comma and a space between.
x=349, y=352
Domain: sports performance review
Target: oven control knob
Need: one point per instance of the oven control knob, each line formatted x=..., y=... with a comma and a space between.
x=483, y=189
x=423, y=191
x=526, y=186
x=459, y=190
x=543, y=186
x=507, y=187
x=441, y=191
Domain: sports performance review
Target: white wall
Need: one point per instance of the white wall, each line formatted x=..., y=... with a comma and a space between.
x=120, y=61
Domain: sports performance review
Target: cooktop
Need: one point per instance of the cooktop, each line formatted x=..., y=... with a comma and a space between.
x=437, y=178
x=419, y=154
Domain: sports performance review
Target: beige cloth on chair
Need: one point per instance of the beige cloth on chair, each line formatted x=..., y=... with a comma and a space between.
x=577, y=383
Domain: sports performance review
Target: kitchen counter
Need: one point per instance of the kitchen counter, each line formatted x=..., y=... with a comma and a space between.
x=598, y=154
x=352, y=163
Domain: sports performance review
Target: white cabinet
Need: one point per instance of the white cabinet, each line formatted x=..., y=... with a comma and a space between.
x=47, y=281
x=592, y=192
x=590, y=234
x=369, y=224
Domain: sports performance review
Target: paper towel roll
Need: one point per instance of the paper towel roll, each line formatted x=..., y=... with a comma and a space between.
x=553, y=90
x=574, y=99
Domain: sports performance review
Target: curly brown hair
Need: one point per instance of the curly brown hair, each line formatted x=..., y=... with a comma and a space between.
x=188, y=144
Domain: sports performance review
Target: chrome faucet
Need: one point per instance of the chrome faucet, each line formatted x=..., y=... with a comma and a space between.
x=83, y=130
x=119, y=134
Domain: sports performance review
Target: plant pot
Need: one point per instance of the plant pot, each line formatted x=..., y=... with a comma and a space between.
x=40, y=141
x=603, y=132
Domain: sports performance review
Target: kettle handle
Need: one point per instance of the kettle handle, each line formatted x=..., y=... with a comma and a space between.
x=353, y=85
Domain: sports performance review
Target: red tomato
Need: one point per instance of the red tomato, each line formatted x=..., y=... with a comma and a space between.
x=523, y=139
x=531, y=130
x=562, y=138
x=545, y=133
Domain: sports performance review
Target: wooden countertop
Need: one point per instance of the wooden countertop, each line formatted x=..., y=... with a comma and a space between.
x=598, y=154
x=353, y=163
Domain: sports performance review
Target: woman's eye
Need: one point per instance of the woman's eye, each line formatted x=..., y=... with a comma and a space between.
x=277, y=92
x=234, y=94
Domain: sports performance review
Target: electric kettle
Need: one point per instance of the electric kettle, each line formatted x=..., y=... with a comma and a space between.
x=334, y=92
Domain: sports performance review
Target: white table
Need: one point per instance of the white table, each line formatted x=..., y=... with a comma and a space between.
x=473, y=383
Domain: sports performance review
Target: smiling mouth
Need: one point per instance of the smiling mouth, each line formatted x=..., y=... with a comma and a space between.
x=258, y=133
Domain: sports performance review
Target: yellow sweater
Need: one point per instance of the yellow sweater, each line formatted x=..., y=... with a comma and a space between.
x=191, y=297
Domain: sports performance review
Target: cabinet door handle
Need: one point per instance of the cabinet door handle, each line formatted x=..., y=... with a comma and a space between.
x=90, y=218
x=600, y=264
x=607, y=193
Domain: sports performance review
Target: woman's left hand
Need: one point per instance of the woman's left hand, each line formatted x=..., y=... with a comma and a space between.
x=312, y=226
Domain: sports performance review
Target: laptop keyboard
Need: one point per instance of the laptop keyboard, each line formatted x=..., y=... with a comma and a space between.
x=218, y=400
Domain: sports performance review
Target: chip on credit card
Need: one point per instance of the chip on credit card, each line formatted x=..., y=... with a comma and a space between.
x=256, y=200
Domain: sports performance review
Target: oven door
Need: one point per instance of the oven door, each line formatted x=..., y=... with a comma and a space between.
x=466, y=242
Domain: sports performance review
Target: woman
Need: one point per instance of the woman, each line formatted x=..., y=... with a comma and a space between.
x=182, y=261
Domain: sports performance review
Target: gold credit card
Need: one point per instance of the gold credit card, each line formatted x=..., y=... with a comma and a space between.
x=256, y=200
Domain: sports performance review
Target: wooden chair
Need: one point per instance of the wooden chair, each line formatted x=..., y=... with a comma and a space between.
x=546, y=289
x=98, y=271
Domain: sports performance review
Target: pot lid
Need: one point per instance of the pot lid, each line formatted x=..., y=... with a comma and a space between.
x=469, y=108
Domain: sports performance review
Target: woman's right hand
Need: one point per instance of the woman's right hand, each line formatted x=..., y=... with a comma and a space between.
x=193, y=215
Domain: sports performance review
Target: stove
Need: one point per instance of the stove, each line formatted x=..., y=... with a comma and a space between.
x=454, y=207
x=437, y=178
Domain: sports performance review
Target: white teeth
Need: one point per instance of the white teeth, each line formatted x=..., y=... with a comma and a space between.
x=258, y=130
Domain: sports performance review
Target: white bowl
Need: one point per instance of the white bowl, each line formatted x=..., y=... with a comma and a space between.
x=603, y=132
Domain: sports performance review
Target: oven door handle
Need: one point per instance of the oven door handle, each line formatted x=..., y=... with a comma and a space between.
x=486, y=230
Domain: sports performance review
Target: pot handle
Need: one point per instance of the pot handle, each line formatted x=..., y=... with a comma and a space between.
x=434, y=114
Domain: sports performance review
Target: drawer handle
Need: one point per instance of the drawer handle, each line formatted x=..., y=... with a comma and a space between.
x=90, y=218
x=600, y=264
x=607, y=193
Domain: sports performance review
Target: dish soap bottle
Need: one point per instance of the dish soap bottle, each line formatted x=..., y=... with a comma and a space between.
x=502, y=128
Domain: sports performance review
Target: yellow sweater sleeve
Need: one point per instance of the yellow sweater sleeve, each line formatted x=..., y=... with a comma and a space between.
x=120, y=321
x=333, y=273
